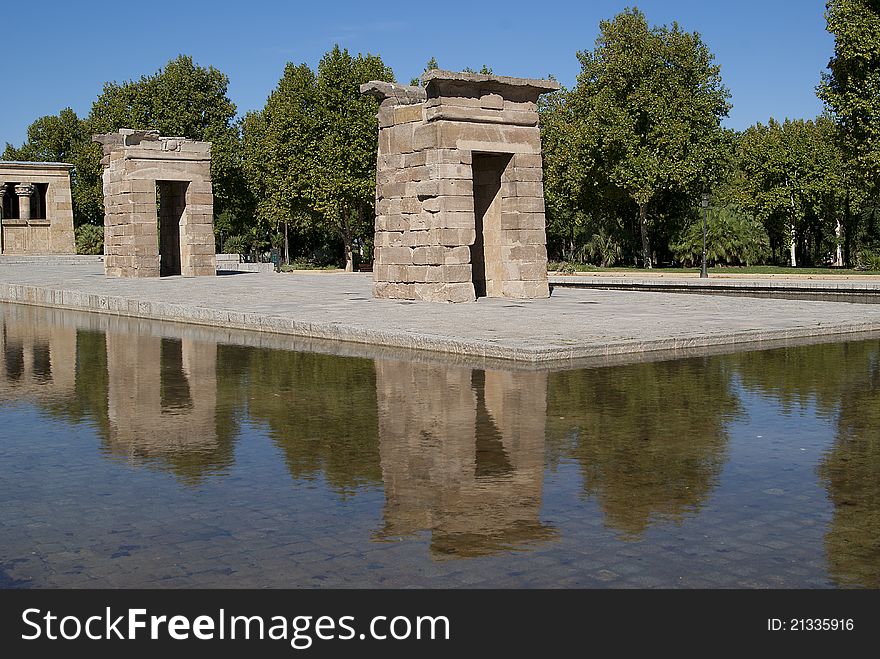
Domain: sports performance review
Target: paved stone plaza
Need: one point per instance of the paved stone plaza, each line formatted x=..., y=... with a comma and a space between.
x=572, y=324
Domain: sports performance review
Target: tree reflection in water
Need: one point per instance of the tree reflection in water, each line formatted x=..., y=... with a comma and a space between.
x=650, y=438
x=851, y=472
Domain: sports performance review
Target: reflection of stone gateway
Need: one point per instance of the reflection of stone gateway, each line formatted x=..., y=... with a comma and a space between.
x=36, y=211
x=162, y=398
x=459, y=194
x=462, y=456
x=39, y=358
x=157, y=185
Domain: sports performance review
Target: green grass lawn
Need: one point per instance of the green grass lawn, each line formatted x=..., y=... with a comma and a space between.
x=306, y=265
x=730, y=270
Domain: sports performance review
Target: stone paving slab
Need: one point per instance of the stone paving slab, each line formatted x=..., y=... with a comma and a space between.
x=572, y=324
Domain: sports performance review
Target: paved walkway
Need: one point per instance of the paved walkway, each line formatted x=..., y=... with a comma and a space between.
x=573, y=324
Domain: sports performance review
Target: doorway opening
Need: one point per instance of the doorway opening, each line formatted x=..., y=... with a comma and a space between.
x=171, y=202
x=486, y=267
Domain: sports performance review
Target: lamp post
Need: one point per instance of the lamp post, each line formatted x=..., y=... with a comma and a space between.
x=704, y=273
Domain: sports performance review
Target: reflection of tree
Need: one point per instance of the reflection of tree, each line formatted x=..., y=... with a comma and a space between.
x=321, y=412
x=650, y=438
x=851, y=472
x=462, y=456
x=801, y=375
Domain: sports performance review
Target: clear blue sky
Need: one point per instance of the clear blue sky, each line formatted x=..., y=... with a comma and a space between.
x=771, y=52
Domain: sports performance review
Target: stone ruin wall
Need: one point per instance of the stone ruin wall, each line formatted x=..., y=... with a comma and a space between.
x=28, y=231
x=134, y=163
x=433, y=146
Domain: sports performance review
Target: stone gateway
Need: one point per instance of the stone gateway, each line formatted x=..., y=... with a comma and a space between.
x=158, y=205
x=459, y=189
x=36, y=210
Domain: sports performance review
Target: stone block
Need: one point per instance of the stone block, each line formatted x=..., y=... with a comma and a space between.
x=454, y=220
x=457, y=255
x=523, y=237
x=525, y=174
x=395, y=222
x=492, y=101
x=458, y=203
x=527, y=160
x=448, y=171
x=515, y=221
x=455, y=237
x=526, y=253
x=388, y=239
x=445, y=187
x=522, y=204
x=395, y=255
x=415, y=159
x=419, y=221
x=417, y=238
x=402, y=138
x=407, y=113
x=428, y=255
x=522, y=189
x=459, y=292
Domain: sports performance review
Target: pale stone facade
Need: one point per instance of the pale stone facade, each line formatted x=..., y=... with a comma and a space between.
x=459, y=188
x=158, y=205
x=36, y=210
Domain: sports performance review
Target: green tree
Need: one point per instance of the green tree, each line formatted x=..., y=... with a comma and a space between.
x=792, y=182
x=646, y=113
x=343, y=175
x=650, y=439
x=851, y=88
x=277, y=144
x=181, y=99
x=732, y=238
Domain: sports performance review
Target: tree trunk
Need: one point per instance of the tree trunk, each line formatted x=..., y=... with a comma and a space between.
x=349, y=259
x=838, y=231
x=346, y=241
x=643, y=230
x=286, y=246
x=847, y=233
x=793, y=232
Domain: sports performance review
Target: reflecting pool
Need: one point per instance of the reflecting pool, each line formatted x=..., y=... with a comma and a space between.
x=139, y=454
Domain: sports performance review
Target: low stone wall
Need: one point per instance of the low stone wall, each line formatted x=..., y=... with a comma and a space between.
x=50, y=260
x=865, y=291
x=233, y=263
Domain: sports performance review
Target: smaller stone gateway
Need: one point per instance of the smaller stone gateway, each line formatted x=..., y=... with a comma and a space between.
x=158, y=205
x=459, y=188
x=36, y=210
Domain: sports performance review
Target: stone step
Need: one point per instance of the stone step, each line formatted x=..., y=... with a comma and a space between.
x=50, y=259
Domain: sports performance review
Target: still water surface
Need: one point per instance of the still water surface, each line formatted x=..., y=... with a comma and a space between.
x=138, y=454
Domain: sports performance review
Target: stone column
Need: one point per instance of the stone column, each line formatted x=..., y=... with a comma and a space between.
x=24, y=191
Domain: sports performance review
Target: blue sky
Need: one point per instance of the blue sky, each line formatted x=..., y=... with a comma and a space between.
x=771, y=52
